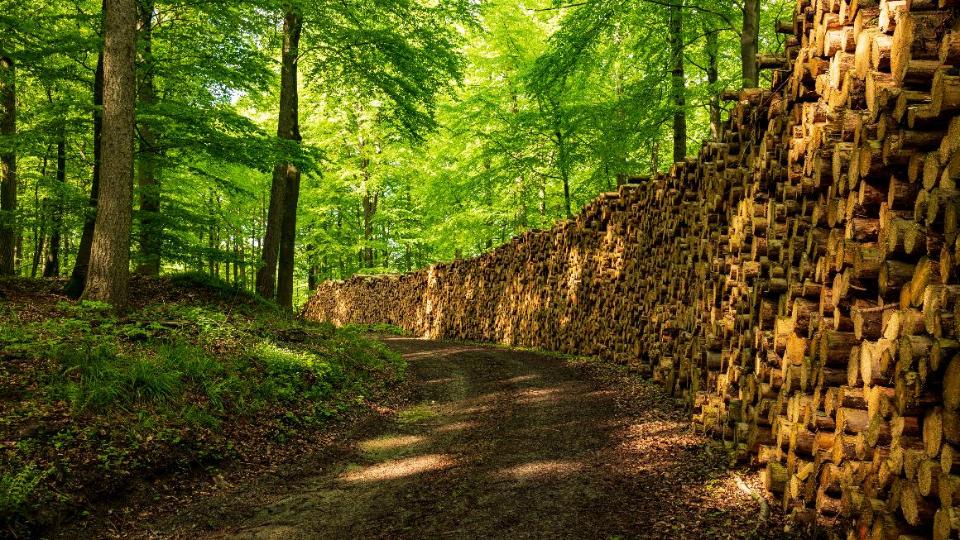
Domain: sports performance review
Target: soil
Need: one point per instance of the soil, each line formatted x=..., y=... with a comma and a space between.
x=495, y=443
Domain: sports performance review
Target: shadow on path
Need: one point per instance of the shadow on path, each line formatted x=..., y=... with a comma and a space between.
x=511, y=444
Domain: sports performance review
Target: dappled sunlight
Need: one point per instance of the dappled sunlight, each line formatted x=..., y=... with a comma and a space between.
x=441, y=353
x=399, y=468
x=458, y=426
x=476, y=409
x=447, y=380
x=541, y=470
x=552, y=394
x=520, y=379
x=390, y=442
x=539, y=395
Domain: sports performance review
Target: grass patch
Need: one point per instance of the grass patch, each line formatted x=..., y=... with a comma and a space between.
x=379, y=329
x=196, y=374
x=416, y=414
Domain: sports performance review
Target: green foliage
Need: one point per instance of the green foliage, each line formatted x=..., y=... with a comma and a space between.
x=431, y=130
x=97, y=378
x=187, y=379
x=17, y=490
x=379, y=328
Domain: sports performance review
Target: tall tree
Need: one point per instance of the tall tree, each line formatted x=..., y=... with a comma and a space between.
x=147, y=180
x=51, y=267
x=678, y=82
x=108, y=274
x=78, y=277
x=712, y=49
x=749, y=39
x=8, y=164
x=285, y=187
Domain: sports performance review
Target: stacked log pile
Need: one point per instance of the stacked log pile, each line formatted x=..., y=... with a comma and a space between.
x=796, y=283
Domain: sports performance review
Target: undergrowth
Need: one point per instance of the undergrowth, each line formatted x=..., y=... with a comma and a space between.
x=197, y=374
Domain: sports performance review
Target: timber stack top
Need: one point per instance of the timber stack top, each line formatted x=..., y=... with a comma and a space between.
x=796, y=283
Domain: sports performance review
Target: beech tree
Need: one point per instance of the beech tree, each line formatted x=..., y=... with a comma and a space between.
x=108, y=272
x=8, y=164
x=284, y=142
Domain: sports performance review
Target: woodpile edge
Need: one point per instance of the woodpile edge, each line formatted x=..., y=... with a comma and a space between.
x=796, y=284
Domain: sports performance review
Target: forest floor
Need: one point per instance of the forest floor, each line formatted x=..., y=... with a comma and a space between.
x=490, y=443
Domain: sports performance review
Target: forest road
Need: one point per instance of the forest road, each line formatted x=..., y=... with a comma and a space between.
x=504, y=444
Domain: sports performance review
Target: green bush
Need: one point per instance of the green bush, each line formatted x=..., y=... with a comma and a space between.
x=17, y=490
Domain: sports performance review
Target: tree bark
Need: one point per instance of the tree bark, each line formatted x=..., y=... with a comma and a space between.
x=38, y=227
x=713, y=75
x=288, y=240
x=147, y=178
x=51, y=267
x=285, y=174
x=78, y=277
x=369, y=204
x=8, y=167
x=108, y=274
x=564, y=167
x=655, y=155
x=678, y=83
x=749, y=37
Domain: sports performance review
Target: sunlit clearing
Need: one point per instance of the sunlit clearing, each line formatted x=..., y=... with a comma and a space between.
x=541, y=469
x=400, y=468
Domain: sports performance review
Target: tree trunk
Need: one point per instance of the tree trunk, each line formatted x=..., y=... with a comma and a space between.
x=52, y=266
x=8, y=168
x=285, y=174
x=655, y=155
x=713, y=75
x=749, y=38
x=109, y=269
x=288, y=241
x=78, y=277
x=678, y=83
x=212, y=241
x=564, y=167
x=38, y=232
x=313, y=272
x=147, y=179
x=369, y=211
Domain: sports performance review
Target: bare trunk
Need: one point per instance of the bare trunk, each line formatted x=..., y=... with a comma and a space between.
x=78, y=277
x=288, y=239
x=564, y=167
x=655, y=156
x=8, y=168
x=38, y=232
x=52, y=266
x=713, y=75
x=284, y=174
x=313, y=273
x=678, y=83
x=150, y=232
x=749, y=37
x=108, y=274
x=369, y=211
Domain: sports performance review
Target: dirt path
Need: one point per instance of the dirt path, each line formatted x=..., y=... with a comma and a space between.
x=502, y=444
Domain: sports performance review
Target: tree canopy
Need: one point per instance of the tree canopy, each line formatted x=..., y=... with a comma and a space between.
x=421, y=131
